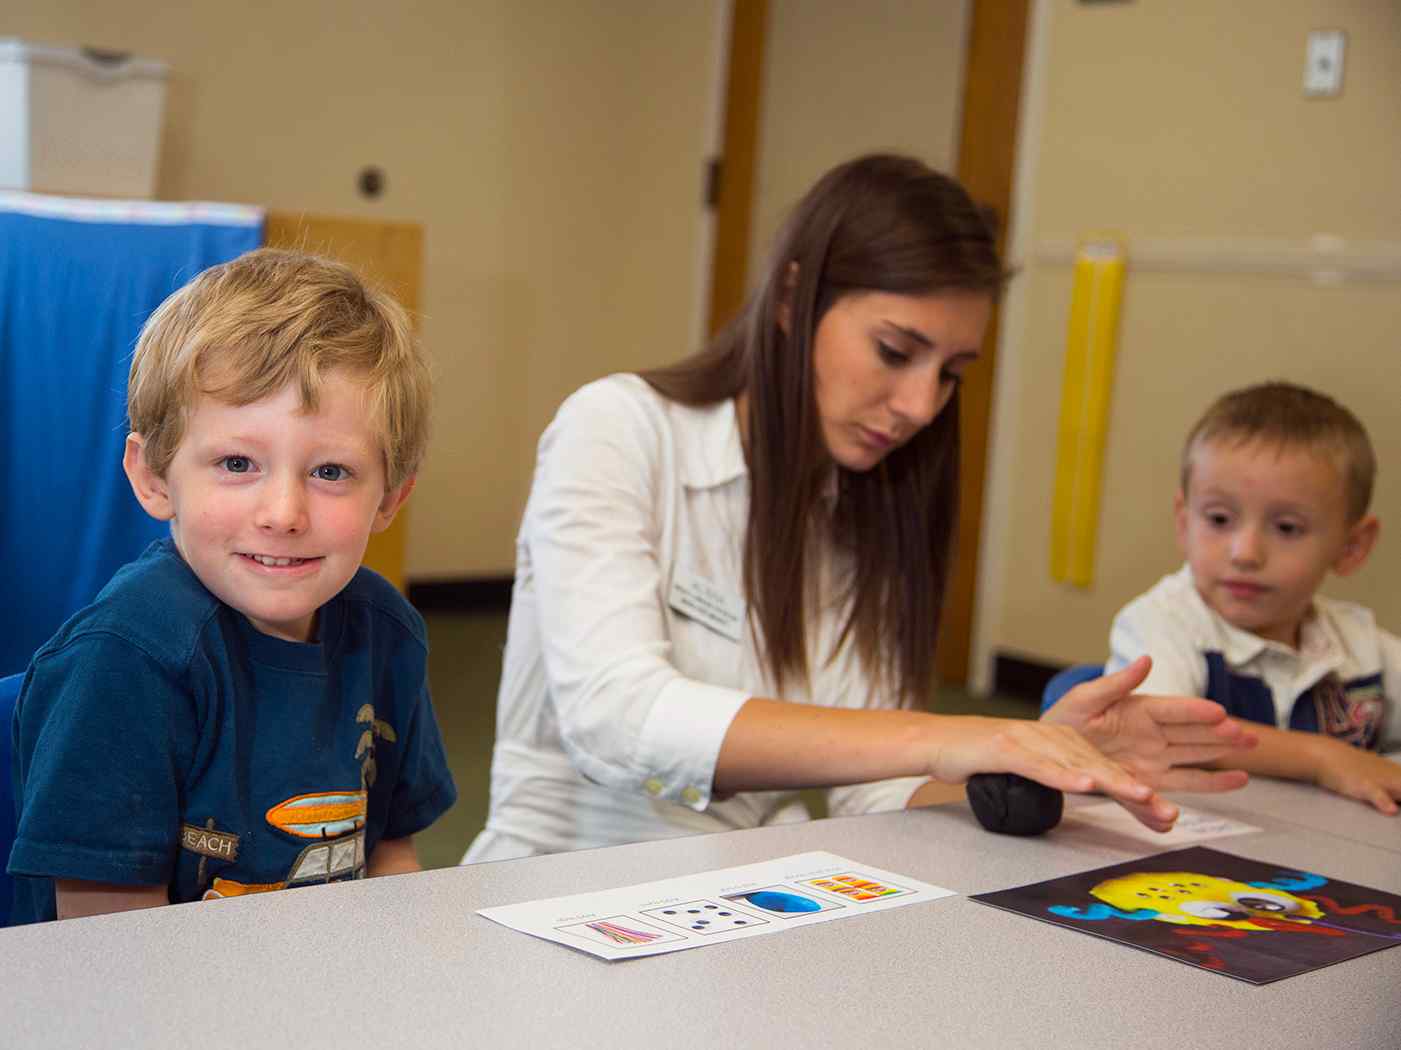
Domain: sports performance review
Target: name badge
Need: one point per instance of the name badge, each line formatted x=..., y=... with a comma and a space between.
x=693, y=596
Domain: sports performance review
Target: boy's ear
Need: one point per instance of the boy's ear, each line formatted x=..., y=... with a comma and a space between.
x=1361, y=538
x=150, y=488
x=1179, y=519
x=389, y=506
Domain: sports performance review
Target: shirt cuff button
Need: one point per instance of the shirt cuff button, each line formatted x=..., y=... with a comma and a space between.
x=653, y=786
x=691, y=795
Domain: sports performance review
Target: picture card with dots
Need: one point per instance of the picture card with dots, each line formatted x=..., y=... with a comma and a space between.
x=753, y=900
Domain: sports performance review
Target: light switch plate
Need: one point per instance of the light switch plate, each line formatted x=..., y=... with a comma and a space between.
x=1323, y=63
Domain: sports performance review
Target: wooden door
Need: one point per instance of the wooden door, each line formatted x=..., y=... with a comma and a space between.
x=391, y=256
x=992, y=82
x=733, y=199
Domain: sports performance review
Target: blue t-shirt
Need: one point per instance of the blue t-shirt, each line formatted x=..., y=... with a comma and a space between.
x=161, y=739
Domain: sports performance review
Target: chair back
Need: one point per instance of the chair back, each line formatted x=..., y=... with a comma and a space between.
x=1064, y=681
x=9, y=693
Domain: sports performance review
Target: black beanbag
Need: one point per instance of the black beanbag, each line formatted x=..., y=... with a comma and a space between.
x=1013, y=805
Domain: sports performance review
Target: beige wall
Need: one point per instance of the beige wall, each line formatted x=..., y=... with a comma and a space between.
x=842, y=79
x=1181, y=124
x=551, y=150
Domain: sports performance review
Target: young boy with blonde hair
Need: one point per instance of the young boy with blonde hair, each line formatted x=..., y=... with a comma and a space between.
x=243, y=708
x=1275, y=488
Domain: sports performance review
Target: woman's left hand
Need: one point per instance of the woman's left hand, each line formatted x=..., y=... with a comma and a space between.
x=1163, y=740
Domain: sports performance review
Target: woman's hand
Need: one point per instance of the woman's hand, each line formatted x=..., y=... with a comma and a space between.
x=1051, y=754
x=1163, y=740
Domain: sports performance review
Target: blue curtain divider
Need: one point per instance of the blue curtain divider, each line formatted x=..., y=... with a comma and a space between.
x=77, y=281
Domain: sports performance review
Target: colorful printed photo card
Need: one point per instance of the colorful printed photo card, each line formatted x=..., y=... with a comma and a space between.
x=1248, y=919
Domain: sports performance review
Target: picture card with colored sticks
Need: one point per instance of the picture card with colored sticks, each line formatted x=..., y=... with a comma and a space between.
x=1253, y=920
x=727, y=904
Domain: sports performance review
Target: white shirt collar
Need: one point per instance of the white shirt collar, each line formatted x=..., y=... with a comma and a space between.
x=1318, y=640
x=710, y=452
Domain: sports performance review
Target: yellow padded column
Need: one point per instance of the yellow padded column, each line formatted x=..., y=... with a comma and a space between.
x=1091, y=344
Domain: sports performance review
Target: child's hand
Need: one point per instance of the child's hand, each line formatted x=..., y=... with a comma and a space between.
x=1363, y=775
x=1162, y=740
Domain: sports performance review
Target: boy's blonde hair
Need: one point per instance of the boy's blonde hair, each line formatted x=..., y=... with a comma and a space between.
x=1291, y=417
x=243, y=330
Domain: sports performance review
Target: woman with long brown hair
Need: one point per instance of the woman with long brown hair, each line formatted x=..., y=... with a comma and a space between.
x=773, y=517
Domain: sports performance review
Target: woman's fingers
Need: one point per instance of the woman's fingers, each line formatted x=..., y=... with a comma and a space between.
x=1157, y=813
x=1191, y=754
x=1187, y=719
x=1182, y=710
x=1119, y=783
x=1092, y=699
x=1223, y=734
x=1081, y=778
x=1050, y=772
x=1059, y=757
x=1204, y=781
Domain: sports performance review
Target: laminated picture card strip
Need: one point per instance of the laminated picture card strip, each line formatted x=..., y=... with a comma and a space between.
x=713, y=907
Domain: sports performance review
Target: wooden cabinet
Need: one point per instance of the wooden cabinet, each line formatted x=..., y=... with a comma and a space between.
x=391, y=256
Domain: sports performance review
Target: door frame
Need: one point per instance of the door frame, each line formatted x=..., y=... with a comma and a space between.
x=987, y=163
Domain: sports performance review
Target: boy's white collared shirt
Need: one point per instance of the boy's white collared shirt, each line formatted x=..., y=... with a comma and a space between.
x=1178, y=629
x=630, y=651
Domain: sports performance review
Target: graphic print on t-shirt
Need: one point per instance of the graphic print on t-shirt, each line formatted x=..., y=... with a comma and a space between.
x=378, y=730
x=1352, y=713
x=332, y=821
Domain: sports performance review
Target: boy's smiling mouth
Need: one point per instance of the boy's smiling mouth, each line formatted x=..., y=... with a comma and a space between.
x=270, y=562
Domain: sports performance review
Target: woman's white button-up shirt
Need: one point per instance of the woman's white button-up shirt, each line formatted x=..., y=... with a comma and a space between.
x=613, y=704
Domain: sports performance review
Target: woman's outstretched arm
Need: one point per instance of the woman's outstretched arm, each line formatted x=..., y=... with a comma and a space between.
x=772, y=744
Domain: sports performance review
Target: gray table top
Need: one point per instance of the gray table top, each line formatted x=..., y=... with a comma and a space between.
x=1308, y=808
x=406, y=961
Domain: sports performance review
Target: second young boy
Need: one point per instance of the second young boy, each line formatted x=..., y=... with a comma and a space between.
x=1275, y=488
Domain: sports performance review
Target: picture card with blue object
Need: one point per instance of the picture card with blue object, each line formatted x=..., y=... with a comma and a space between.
x=752, y=900
x=1253, y=920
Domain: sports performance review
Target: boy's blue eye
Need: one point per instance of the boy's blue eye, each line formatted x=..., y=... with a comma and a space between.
x=331, y=472
x=237, y=464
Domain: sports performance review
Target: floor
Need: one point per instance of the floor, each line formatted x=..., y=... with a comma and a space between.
x=464, y=667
